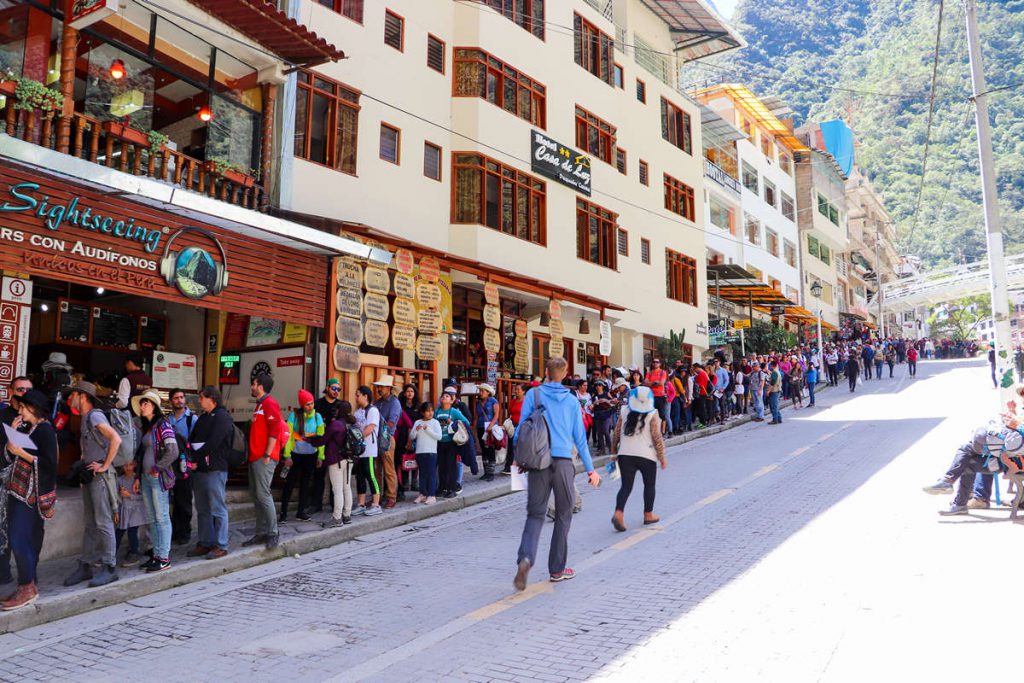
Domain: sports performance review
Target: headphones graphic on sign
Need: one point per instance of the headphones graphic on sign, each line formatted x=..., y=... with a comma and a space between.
x=192, y=270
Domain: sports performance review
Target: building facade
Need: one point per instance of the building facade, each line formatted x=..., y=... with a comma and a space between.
x=871, y=254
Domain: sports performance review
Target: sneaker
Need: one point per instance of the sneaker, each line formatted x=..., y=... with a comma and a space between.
x=458, y=489
x=430, y=500
x=130, y=560
x=199, y=551
x=25, y=595
x=255, y=540
x=450, y=494
x=105, y=575
x=82, y=573
x=488, y=477
x=331, y=523
x=420, y=499
x=303, y=516
x=373, y=510
x=522, y=574
x=158, y=565
x=563, y=575
x=388, y=504
x=939, y=487
x=147, y=564
x=978, y=504
x=273, y=541
x=954, y=509
x=358, y=510
x=216, y=553
x=346, y=520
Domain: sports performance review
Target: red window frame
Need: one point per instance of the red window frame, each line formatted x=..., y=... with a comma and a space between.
x=478, y=73
x=622, y=243
x=519, y=204
x=398, y=143
x=680, y=277
x=436, y=43
x=594, y=135
x=620, y=160
x=394, y=16
x=343, y=102
x=596, y=234
x=527, y=15
x=679, y=197
x=676, y=127
x=645, y=173
x=594, y=49
x=352, y=9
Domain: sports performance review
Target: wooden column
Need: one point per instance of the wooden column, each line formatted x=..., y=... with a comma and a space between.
x=267, y=148
x=69, y=53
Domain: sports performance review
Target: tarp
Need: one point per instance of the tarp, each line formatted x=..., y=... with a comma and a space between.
x=838, y=140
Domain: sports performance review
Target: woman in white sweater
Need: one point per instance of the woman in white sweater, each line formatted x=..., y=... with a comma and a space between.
x=425, y=434
x=640, y=448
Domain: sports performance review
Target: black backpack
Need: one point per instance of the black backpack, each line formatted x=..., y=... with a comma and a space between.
x=355, y=444
x=238, y=452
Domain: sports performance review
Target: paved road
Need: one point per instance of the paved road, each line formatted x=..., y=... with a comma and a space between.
x=801, y=552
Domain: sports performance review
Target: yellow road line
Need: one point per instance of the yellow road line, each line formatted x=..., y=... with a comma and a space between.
x=802, y=449
x=764, y=470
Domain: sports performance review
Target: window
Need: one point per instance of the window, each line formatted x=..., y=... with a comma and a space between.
x=826, y=293
x=675, y=126
x=479, y=74
x=756, y=272
x=620, y=160
x=594, y=135
x=681, y=277
x=769, y=192
x=788, y=208
x=390, y=143
x=812, y=246
x=828, y=210
x=596, y=234
x=619, y=77
x=753, y=230
x=593, y=49
x=353, y=9
x=641, y=91
x=679, y=197
x=786, y=163
x=771, y=241
x=489, y=193
x=326, y=122
x=623, y=244
x=722, y=216
x=767, y=147
x=750, y=177
x=394, y=30
x=645, y=251
x=435, y=53
x=431, y=161
x=748, y=129
x=825, y=254
x=775, y=284
x=644, y=173
x=792, y=294
x=789, y=252
x=528, y=14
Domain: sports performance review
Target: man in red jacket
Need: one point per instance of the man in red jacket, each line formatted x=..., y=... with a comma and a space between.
x=656, y=379
x=264, y=451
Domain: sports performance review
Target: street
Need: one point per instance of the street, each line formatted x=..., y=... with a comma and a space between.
x=800, y=552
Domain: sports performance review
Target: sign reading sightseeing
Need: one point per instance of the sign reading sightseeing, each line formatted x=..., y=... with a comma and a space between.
x=558, y=162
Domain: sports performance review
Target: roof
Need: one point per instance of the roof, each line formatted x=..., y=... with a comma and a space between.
x=272, y=28
x=697, y=29
x=759, y=110
x=735, y=284
x=713, y=125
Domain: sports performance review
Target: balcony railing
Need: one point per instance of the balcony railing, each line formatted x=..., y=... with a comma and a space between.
x=91, y=140
x=718, y=174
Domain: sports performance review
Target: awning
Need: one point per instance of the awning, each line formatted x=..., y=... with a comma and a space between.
x=275, y=30
x=735, y=284
x=854, y=316
x=696, y=28
x=825, y=325
x=757, y=108
x=713, y=125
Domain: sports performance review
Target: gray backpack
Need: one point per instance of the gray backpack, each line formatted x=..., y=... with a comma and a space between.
x=121, y=422
x=533, y=439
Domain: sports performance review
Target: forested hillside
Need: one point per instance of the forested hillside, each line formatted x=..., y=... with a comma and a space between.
x=869, y=62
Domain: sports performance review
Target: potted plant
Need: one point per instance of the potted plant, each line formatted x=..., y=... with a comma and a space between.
x=123, y=131
x=156, y=139
x=232, y=172
x=32, y=95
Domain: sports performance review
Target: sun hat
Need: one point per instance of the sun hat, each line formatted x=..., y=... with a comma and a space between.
x=620, y=382
x=451, y=390
x=36, y=399
x=148, y=395
x=384, y=381
x=56, y=361
x=641, y=400
x=87, y=388
x=484, y=386
x=305, y=397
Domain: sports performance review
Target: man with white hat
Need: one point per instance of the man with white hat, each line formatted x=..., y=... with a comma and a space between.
x=487, y=415
x=390, y=412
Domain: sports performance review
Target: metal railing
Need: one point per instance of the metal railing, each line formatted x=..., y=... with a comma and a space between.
x=948, y=283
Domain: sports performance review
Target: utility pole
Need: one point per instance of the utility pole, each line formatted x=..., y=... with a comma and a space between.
x=990, y=200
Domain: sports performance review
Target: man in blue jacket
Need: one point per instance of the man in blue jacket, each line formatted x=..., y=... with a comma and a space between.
x=565, y=425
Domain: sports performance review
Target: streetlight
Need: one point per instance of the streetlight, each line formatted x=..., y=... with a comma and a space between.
x=816, y=291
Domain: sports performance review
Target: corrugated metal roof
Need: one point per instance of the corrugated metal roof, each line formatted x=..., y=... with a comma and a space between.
x=712, y=123
x=696, y=27
x=272, y=28
x=757, y=108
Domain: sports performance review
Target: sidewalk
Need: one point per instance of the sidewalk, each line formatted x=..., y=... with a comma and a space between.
x=297, y=537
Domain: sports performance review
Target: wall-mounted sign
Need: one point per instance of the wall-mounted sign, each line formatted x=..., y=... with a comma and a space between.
x=492, y=316
x=741, y=324
x=350, y=274
x=521, y=327
x=404, y=261
x=376, y=306
x=403, y=337
x=560, y=163
x=428, y=321
x=557, y=328
x=172, y=370
x=263, y=331
x=405, y=285
x=404, y=311
x=376, y=333
x=348, y=331
x=428, y=347
x=430, y=270
x=349, y=302
x=294, y=334
x=229, y=368
x=193, y=270
x=491, y=293
x=492, y=340
x=521, y=364
x=428, y=295
x=346, y=358
x=604, y=346
x=377, y=280
x=82, y=13
x=556, y=348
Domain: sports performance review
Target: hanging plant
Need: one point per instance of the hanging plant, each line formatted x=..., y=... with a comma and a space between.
x=32, y=95
x=157, y=140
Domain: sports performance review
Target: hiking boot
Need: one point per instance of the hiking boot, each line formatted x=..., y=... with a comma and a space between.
x=25, y=595
x=563, y=575
x=130, y=560
x=158, y=565
x=216, y=553
x=199, y=551
x=954, y=509
x=522, y=574
x=83, y=572
x=618, y=522
x=978, y=504
x=255, y=540
x=273, y=541
x=939, y=487
x=105, y=575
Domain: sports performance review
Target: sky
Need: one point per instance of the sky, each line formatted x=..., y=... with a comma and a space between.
x=725, y=7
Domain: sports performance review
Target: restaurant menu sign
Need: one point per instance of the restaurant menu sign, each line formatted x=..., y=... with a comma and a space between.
x=560, y=163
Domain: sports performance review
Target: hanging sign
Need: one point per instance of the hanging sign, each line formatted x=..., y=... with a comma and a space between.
x=491, y=293
x=557, y=328
x=428, y=321
x=429, y=269
x=404, y=261
x=294, y=333
x=348, y=331
x=376, y=306
x=404, y=311
x=376, y=333
x=604, y=345
x=349, y=302
x=405, y=285
x=403, y=337
x=492, y=316
x=350, y=274
x=428, y=295
x=521, y=327
x=555, y=310
x=521, y=364
x=82, y=13
x=556, y=348
x=377, y=280
x=428, y=347
x=492, y=340
x=346, y=358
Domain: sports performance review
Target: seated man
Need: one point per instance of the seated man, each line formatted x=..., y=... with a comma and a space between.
x=982, y=496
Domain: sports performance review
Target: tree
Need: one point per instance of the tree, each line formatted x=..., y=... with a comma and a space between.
x=764, y=337
x=957, y=320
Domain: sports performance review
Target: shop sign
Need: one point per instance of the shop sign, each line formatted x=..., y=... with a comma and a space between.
x=741, y=324
x=290, y=361
x=492, y=340
x=492, y=316
x=428, y=321
x=377, y=280
x=229, y=368
x=376, y=333
x=376, y=306
x=556, y=348
x=403, y=337
x=294, y=333
x=521, y=363
x=521, y=327
x=428, y=347
x=348, y=331
x=605, y=329
x=428, y=295
x=350, y=274
x=604, y=345
x=404, y=311
x=405, y=285
x=701, y=330
x=444, y=283
x=492, y=369
x=491, y=293
x=430, y=270
x=778, y=311
x=555, y=310
x=404, y=261
x=349, y=302
x=193, y=270
x=264, y=331
x=17, y=290
x=82, y=13
x=346, y=358
x=172, y=370
x=560, y=163
x=557, y=328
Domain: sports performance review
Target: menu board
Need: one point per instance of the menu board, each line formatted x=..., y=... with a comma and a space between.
x=73, y=325
x=114, y=329
x=235, y=329
x=152, y=332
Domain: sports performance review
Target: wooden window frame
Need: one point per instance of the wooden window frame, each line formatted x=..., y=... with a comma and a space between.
x=786, y=247
x=532, y=25
x=749, y=220
x=487, y=66
x=596, y=59
x=623, y=234
x=680, y=277
x=680, y=198
x=440, y=162
x=619, y=75
x=607, y=237
x=344, y=8
x=621, y=162
x=641, y=91
x=645, y=251
x=398, y=144
x=786, y=199
x=488, y=168
x=645, y=173
x=770, y=188
x=306, y=86
x=676, y=126
x=444, y=53
x=768, y=233
x=401, y=29
x=606, y=134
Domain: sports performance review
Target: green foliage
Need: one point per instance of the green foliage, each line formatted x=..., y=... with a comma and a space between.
x=958, y=320
x=764, y=337
x=220, y=165
x=157, y=140
x=670, y=349
x=31, y=95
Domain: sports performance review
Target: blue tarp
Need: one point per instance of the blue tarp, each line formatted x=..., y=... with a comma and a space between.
x=839, y=143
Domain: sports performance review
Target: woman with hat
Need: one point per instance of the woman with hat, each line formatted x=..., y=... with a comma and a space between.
x=640, y=448
x=155, y=457
x=303, y=453
x=32, y=495
x=488, y=414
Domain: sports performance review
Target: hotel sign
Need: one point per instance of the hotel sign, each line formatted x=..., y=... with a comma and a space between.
x=560, y=163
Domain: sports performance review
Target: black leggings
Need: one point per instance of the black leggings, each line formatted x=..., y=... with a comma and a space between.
x=447, y=472
x=365, y=474
x=630, y=465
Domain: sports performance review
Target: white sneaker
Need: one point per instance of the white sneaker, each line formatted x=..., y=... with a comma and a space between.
x=358, y=510
x=374, y=510
x=420, y=498
x=430, y=500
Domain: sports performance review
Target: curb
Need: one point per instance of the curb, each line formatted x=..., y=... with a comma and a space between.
x=62, y=605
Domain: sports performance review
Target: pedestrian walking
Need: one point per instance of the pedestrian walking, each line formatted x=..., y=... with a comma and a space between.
x=368, y=422
x=796, y=384
x=639, y=448
x=303, y=454
x=852, y=371
x=339, y=461
x=211, y=443
x=890, y=358
x=912, y=361
x=565, y=431
x=158, y=451
x=775, y=392
x=426, y=433
x=266, y=434
x=811, y=378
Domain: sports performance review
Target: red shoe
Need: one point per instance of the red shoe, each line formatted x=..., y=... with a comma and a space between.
x=388, y=504
x=563, y=575
x=25, y=595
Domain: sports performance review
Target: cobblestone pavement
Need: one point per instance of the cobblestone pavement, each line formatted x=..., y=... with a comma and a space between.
x=800, y=552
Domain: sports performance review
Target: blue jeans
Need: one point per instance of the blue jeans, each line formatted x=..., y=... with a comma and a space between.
x=155, y=499
x=810, y=392
x=758, y=404
x=25, y=530
x=427, y=464
x=676, y=413
x=773, y=402
x=878, y=369
x=688, y=414
x=983, y=487
x=211, y=508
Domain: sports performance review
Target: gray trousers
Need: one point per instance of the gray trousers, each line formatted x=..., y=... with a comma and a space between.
x=261, y=473
x=558, y=478
x=98, y=544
